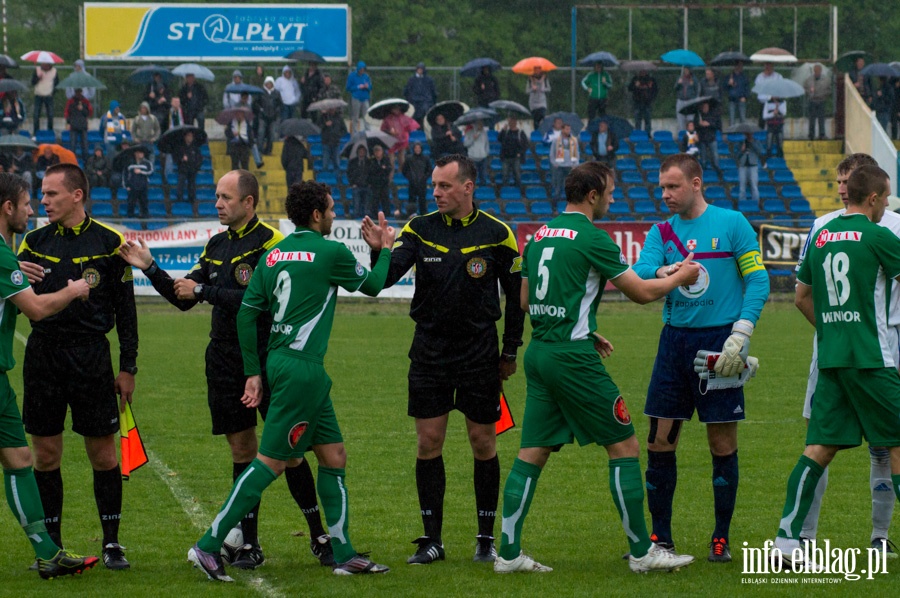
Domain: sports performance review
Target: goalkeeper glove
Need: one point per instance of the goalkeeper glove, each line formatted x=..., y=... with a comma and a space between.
x=735, y=350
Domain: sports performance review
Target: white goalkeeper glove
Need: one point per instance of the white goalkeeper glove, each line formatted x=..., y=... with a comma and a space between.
x=735, y=350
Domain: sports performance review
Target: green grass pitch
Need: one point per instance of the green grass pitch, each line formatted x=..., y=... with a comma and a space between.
x=572, y=527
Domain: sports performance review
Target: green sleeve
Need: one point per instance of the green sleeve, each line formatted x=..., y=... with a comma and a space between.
x=605, y=256
x=804, y=275
x=374, y=282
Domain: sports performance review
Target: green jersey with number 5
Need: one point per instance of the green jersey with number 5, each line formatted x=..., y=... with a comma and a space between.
x=297, y=281
x=850, y=265
x=567, y=264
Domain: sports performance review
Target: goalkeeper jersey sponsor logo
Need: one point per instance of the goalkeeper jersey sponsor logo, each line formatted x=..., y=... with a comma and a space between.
x=698, y=289
x=277, y=255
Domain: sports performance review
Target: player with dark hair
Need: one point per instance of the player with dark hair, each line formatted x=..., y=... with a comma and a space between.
x=16, y=295
x=570, y=394
x=717, y=313
x=460, y=254
x=220, y=278
x=843, y=287
x=67, y=359
x=297, y=282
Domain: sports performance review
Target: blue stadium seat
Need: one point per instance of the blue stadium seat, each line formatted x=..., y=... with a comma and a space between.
x=660, y=136
x=711, y=176
x=657, y=194
x=318, y=165
x=493, y=136
x=774, y=206
x=206, y=194
x=714, y=193
x=725, y=204
x=783, y=220
x=94, y=136
x=207, y=209
x=537, y=192
x=626, y=164
x=638, y=193
x=419, y=136
x=632, y=177
x=515, y=208
x=782, y=176
x=667, y=148
x=624, y=148
x=618, y=194
x=156, y=208
x=529, y=164
x=336, y=193
x=748, y=206
x=151, y=224
x=403, y=193
x=328, y=177
x=488, y=206
x=101, y=209
x=531, y=178
x=205, y=178
x=155, y=194
x=484, y=194
x=339, y=208
x=648, y=164
x=536, y=137
x=735, y=137
x=314, y=139
x=776, y=164
x=399, y=179
x=637, y=135
x=494, y=149
x=791, y=192
x=542, y=149
x=541, y=208
x=727, y=164
x=619, y=208
x=156, y=177
x=644, y=148
x=730, y=176
x=653, y=177
x=645, y=206
x=584, y=137
x=767, y=192
x=799, y=206
x=510, y=193
x=496, y=164
x=761, y=137
x=101, y=194
x=182, y=209
x=204, y=150
x=45, y=136
x=316, y=150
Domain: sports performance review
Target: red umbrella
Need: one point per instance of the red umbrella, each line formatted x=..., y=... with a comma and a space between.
x=42, y=57
x=526, y=66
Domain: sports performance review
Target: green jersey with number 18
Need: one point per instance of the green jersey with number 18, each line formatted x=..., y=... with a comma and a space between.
x=850, y=265
x=567, y=264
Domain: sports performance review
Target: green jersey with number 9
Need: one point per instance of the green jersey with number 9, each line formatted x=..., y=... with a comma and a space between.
x=850, y=265
x=567, y=264
x=297, y=281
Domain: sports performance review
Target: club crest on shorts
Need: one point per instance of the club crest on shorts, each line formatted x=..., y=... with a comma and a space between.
x=242, y=274
x=296, y=432
x=16, y=277
x=476, y=267
x=92, y=277
x=620, y=411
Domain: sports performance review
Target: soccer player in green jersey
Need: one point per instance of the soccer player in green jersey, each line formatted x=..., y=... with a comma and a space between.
x=843, y=287
x=297, y=281
x=570, y=395
x=15, y=456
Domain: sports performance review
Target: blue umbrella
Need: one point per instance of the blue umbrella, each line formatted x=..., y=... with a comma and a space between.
x=682, y=58
x=568, y=118
x=244, y=88
x=879, y=69
x=144, y=75
x=619, y=126
x=473, y=67
x=604, y=58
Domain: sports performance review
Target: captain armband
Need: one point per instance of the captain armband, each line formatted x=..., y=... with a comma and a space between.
x=750, y=262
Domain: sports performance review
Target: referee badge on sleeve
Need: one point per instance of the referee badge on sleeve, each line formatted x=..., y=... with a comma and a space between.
x=242, y=274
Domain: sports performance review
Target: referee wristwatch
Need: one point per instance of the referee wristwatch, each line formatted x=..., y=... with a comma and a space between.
x=508, y=357
x=132, y=369
x=198, y=291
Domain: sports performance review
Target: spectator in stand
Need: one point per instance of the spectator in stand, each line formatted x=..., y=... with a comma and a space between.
x=98, y=168
x=858, y=82
x=774, y=112
x=513, y=145
x=537, y=87
x=686, y=89
x=738, y=88
x=333, y=128
x=157, y=97
x=564, y=156
x=400, y=126
x=486, y=87
x=358, y=177
x=643, y=90
x=258, y=78
x=78, y=111
x=13, y=112
x=421, y=92
x=710, y=86
x=554, y=132
x=45, y=161
x=748, y=155
x=818, y=90
x=690, y=140
x=44, y=80
x=479, y=148
x=189, y=160
x=883, y=101
x=330, y=90
x=289, y=89
x=175, y=116
x=604, y=144
x=417, y=169
x=311, y=84
x=240, y=139
x=88, y=93
x=597, y=84
x=113, y=128
x=21, y=163
x=445, y=138
x=708, y=123
x=268, y=106
x=359, y=84
x=136, y=179
x=193, y=101
x=254, y=148
x=380, y=175
x=232, y=100
x=295, y=159
x=145, y=128
x=768, y=74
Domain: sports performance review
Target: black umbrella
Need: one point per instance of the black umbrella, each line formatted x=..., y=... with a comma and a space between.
x=298, y=126
x=244, y=88
x=473, y=67
x=8, y=62
x=510, y=106
x=370, y=139
x=743, y=128
x=604, y=58
x=568, y=118
x=451, y=109
x=305, y=56
x=229, y=114
x=879, y=69
x=847, y=60
x=729, y=59
x=635, y=66
x=125, y=158
x=144, y=75
x=383, y=108
x=693, y=107
x=475, y=114
x=11, y=85
x=619, y=126
x=173, y=139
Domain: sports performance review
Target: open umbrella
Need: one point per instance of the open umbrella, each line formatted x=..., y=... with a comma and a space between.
x=8, y=62
x=300, y=127
x=568, y=118
x=620, y=127
x=81, y=80
x=42, y=57
x=329, y=104
x=847, y=60
x=370, y=139
x=510, y=106
x=682, y=58
x=7, y=141
x=779, y=88
x=473, y=67
x=879, y=69
x=635, y=66
x=11, y=85
x=743, y=128
x=381, y=109
x=197, y=70
x=604, y=58
x=171, y=140
x=776, y=55
x=65, y=156
x=244, y=88
x=693, y=106
x=451, y=109
x=144, y=75
x=125, y=158
x=229, y=114
x=485, y=115
x=526, y=66
x=729, y=59
x=305, y=56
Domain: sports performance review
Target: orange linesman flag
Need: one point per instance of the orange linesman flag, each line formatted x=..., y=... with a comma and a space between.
x=133, y=453
x=506, y=419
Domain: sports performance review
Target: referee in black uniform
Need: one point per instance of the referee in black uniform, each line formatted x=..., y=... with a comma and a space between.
x=220, y=278
x=460, y=254
x=67, y=359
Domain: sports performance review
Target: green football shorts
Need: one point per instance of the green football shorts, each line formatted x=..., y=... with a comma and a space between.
x=571, y=396
x=300, y=410
x=12, y=434
x=850, y=403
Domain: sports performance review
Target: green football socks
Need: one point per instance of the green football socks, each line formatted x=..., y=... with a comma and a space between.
x=333, y=494
x=628, y=493
x=25, y=502
x=801, y=488
x=517, y=495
